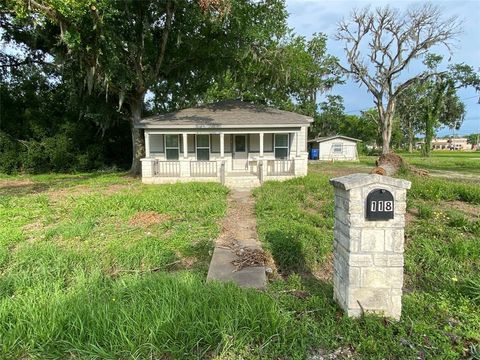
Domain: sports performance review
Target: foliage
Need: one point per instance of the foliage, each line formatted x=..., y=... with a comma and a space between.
x=48, y=126
x=391, y=40
x=184, y=52
x=432, y=103
x=287, y=72
x=474, y=138
x=332, y=120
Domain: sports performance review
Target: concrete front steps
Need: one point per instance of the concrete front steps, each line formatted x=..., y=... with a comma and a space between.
x=244, y=181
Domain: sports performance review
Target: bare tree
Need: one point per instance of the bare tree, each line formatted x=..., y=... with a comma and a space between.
x=380, y=44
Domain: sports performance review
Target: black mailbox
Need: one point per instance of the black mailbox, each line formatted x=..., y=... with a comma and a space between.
x=380, y=205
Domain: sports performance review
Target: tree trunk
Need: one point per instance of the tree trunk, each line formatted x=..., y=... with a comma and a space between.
x=386, y=118
x=410, y=137
x=138, y=140
x=429, y=120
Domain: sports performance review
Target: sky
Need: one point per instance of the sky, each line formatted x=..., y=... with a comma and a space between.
x=309, y=17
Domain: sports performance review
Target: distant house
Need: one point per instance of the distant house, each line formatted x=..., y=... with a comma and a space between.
x=447, y=144
x=233, y=142
x=336, y=147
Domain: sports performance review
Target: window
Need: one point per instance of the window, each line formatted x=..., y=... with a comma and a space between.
x=203, y=147
x=281, y=146
x=172, y=147
x=337, y=148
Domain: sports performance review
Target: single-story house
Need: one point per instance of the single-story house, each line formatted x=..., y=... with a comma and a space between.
x=447, y=144
x=232, y=142
x=336, y=147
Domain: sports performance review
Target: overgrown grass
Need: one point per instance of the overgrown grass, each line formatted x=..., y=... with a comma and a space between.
x=79, y=279
x=441, y=307
x=453, y=161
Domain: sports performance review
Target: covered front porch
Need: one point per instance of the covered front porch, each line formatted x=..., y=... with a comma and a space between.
x=227, y=157
x=236, y=143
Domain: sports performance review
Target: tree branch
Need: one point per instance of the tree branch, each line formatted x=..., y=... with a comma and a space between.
x=165, y=33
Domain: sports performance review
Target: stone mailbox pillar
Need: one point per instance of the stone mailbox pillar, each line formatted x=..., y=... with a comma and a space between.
x=368, y=243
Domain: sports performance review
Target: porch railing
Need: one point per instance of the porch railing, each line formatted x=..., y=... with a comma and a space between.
x=203, y=168
x=166, y=168
x=280, y=167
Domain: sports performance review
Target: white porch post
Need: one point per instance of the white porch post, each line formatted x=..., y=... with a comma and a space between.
x=297, y=145
x=222, y=145
x=185, y=146
x=261, y=144
x=147, y=144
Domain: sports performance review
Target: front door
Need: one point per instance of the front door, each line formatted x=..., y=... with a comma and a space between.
x=240, y=154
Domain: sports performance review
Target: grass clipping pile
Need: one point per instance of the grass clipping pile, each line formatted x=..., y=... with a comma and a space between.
x=390, y=164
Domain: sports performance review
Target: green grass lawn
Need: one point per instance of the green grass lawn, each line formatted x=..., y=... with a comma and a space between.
x=100, y=266
x=451, y=161
x=441, y=304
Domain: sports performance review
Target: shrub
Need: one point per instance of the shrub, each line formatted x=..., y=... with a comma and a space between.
x=9, y=150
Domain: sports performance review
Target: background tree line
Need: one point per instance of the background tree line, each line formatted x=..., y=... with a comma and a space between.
x=76, y=76
x=71, y=97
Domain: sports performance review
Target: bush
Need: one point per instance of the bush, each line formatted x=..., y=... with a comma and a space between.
x=9, y=150
x=34, y=159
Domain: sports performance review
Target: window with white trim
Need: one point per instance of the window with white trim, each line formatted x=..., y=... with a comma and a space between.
x=203, y=147
x=337, y=148
x=172, y=147
x=281, y=146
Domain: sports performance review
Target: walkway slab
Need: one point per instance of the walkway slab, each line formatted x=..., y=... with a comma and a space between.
x=238, y=234
x=222, y=269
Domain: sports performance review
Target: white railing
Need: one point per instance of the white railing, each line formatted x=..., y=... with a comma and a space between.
x=203, y=168
x=166, y=168
x=280, y=167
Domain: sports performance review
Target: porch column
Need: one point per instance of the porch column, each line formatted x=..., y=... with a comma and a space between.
x=297, y=144
x=261, y=144
x=147, y=144
x=185, y=146
x=222, y=145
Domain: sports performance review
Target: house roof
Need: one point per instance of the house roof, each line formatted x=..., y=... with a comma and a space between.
x=326, y=138
x=225, y=114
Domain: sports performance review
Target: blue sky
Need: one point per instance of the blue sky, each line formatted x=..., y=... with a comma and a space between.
x=308, y=17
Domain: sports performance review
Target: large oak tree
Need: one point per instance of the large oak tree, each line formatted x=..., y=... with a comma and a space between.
x=126, y=48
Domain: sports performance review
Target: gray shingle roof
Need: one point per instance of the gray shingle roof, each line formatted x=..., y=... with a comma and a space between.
x=326, y=138
x=226, y=114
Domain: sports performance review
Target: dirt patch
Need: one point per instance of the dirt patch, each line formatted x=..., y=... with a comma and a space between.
x=21, y=187
x=9, y=183
x=470, y=210
x=148, y=218
x=324, y=272
x=60, y=194
x=410, y=216
x=116, y=188
x=239, y=222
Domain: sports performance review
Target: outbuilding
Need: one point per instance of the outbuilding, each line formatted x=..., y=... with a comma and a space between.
x=336, y=147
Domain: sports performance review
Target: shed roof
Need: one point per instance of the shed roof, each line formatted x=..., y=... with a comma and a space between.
x=326, y=138
x=226, y=114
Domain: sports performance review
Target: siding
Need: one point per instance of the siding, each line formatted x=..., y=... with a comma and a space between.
x=349, y=150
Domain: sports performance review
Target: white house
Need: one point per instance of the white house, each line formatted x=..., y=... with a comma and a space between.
x=336, y=147
x=232, y=142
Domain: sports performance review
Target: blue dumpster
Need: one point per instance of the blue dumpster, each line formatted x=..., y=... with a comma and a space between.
x=313, y=154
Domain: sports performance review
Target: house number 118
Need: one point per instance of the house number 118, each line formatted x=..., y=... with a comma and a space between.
x=381, y=206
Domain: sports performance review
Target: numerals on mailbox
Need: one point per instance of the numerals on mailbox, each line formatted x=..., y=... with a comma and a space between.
x=380, y=205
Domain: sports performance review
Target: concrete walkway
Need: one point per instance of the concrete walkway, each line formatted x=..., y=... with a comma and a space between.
x=238, y=255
